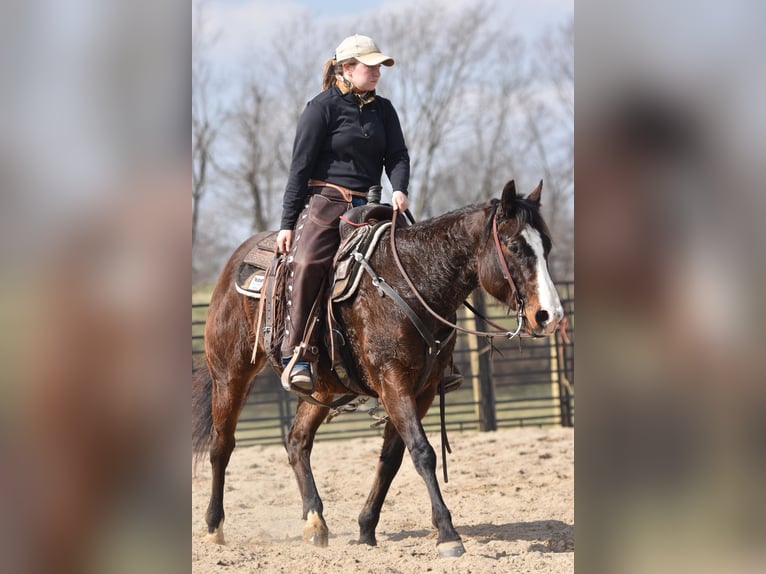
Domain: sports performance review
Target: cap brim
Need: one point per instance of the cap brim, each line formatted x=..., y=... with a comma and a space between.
x=375, y=59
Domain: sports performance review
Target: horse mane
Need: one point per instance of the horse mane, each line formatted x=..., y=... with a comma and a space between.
x=523, y=212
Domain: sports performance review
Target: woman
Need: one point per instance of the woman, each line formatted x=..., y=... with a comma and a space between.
x=345, y=137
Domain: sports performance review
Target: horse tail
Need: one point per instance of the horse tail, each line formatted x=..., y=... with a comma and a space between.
x=202, y=411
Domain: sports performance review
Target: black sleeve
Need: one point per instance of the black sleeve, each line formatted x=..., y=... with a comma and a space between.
x=309, y=138
x=397, y=160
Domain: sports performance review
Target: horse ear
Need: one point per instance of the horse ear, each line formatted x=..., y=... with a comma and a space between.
x=509, y=195
x=534, y=197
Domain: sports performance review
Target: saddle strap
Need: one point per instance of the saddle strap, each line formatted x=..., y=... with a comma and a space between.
x=270, y=295
x=339, y=402
x=434, y=345
x=259, y=321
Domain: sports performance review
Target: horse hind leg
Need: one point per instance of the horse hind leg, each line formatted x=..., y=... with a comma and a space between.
x=230, y=387
x=227, y=404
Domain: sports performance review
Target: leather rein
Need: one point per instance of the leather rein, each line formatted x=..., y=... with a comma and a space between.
x=506, y=274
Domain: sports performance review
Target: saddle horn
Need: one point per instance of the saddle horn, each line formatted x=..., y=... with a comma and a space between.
x=374, y=194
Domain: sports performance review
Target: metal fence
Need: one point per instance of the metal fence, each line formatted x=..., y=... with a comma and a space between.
x=518, y=382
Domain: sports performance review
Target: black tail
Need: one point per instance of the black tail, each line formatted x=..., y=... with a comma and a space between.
x=202, y=411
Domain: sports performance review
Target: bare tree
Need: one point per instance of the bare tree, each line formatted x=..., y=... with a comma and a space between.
x=438, y=51
x=550, y=129
x=261, y=124
x=489, y=154
x=483, y=149
x=254, y=166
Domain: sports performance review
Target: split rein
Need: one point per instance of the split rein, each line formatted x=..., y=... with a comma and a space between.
x=506, y=273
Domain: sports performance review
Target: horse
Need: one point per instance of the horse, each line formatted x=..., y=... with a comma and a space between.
x=500, y=245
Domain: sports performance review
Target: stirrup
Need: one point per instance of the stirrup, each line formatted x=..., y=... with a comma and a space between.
x=452, y=382
x=297, y=378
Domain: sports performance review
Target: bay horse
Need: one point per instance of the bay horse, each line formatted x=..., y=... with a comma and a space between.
x=500, y=245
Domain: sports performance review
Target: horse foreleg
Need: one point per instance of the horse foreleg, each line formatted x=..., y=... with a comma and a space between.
x=405, y=414
x=300, y=441
x=390, y=460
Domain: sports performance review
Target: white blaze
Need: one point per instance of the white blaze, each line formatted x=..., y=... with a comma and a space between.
x=546, y=290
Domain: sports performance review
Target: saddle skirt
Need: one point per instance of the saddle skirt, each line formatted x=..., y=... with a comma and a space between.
x=252, y=271
x=261, y=276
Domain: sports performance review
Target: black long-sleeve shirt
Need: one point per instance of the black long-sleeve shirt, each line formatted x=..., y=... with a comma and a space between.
x=339, y=142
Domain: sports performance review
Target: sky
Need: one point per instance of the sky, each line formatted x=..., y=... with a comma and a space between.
x=242, y=22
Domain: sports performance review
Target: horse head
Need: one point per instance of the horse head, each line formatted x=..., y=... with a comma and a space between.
x=514, y=263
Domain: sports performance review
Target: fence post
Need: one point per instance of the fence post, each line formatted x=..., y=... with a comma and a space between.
x=555, y=370
x=483, y=388
x=564, y=388
x=562, y=368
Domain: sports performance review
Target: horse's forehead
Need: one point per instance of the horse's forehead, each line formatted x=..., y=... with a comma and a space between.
x=534, y=239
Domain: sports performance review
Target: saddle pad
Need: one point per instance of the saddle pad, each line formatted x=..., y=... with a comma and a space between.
x=250, y=280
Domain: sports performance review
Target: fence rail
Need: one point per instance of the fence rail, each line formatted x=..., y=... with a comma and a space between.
x=519, y=382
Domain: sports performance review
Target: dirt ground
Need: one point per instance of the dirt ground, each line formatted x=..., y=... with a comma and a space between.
x=511, y=494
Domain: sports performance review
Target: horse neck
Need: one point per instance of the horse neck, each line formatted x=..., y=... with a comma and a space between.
x=440, y=256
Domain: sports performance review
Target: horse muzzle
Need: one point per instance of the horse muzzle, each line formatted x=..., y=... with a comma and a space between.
x=543, y=322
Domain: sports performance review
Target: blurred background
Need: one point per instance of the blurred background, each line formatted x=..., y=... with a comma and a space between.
x=669, y=243
x=94, y=172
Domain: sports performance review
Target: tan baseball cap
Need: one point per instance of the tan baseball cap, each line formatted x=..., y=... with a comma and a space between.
x=363, y=49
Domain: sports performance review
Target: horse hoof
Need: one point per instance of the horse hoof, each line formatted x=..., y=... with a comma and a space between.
x=216, y=536
x=317, y=539
x=452, y=549
x=368, y=541
x=315, y=531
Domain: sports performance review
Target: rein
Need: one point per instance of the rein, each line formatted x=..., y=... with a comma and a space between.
x=507, y=275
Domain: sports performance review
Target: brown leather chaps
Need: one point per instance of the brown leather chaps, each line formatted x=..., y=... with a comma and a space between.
x=315, y=242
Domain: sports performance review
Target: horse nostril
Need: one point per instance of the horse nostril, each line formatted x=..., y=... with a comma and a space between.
x=541, y=317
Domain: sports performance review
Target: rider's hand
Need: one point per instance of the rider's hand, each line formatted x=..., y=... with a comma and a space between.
x=400, y=201
x=284, y=240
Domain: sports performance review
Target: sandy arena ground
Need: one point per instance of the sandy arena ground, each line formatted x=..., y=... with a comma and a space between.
x=511, y=494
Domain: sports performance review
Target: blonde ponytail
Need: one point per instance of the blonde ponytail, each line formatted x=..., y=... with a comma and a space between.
x=328, y=73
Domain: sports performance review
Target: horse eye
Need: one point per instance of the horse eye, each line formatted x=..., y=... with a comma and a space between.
x=514, y=247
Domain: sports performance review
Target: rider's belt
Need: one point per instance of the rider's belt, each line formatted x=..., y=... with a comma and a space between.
x=344, y=191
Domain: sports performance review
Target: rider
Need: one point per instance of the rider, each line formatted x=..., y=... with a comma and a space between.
x=346, y=136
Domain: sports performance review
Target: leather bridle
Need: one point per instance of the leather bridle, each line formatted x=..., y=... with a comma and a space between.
x=515, y=293
x=507, y=273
